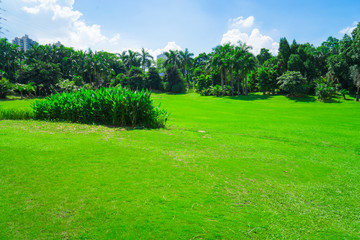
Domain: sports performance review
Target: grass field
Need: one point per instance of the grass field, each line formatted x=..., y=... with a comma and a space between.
x=225, y=168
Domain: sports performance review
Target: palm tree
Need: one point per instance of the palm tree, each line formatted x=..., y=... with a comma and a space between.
x=221, y=61
x=133, y=59
x=145, y=59
x=123, y=56
x=244, y=62
x=185, y=61
x=172, y=58
x=249, y=64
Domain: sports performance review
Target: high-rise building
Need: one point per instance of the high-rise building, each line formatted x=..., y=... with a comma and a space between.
x=24, y=43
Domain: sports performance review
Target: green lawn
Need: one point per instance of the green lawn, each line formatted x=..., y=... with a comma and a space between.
x=250, y=167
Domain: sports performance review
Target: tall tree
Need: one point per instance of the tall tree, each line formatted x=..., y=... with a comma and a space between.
x=295, y=63
x=263, y=56
x=284, y=54
x=186, y=60
x=246, y=63
x=172, y=59
x=355, y=73
x=294, y=47
x=133, y=59
x=145, y=59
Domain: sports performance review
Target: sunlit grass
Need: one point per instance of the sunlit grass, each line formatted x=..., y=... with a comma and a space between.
x=224, y=168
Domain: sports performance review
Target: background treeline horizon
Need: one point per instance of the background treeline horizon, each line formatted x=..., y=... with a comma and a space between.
x=331, y=68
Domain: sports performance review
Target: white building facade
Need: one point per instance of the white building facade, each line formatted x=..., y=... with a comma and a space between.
x=24, y=43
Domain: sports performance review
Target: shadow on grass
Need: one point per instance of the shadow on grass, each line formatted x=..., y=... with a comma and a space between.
x=332, y=101
x=16, y=98
x=307, y=98
x=251, y=97
x=7, y=99
x=170, y=93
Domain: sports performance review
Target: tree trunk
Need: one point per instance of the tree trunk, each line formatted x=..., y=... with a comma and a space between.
x=243, y=85
x=238, y=84
x=232, y=82
x=357, y=94
x=185, y=74
x=246, y=85
x=222, y=82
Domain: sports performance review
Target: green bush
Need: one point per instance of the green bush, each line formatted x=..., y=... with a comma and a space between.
x=5, y=88
x=153, y=79
x=65, y=85
x=325, y=91
x=175, y=81
x=202, y=82
x=24, y=89
x=112, y=106
x=206, y=92
x=343, y=92
x=292, y=83
x=216, y=90
x=178, y=87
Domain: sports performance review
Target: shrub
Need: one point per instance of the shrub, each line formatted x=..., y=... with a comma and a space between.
x=228, y=90
x=136, y=80
x=113, y=106
x=343, y=92
x=206, y=92
x=120, y=79
x=153, y=79
x=324, y=91
x=175, y=80
x=66, y=86
x=45, y=75
x=292, y=83
x=178, y=87
x=216, y=90
x=5, y=88
x=202, y=82
x=24, y=89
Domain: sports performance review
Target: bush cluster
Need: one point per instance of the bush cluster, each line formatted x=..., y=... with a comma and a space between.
x=217, y=91
x=325, y=91
x=110, y=106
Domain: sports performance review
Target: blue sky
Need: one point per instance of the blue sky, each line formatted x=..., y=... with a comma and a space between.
x=160, y=25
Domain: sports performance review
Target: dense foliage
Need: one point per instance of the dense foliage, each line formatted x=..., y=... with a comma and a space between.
x=5, y=88
x=113, y=106
x=174, y=82
x=234, y=68
x=325, y=91
x=292, y=83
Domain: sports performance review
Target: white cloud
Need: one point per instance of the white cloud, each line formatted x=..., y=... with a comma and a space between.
x=349, y=30
x=115, y=39
x=72, y=30
x=241, y=22
x=251, y=36
x=31, y=10
x=169, y=46
x=156, y=52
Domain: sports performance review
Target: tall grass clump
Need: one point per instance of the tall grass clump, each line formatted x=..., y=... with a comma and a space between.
x=110, y=106
x=16, y=114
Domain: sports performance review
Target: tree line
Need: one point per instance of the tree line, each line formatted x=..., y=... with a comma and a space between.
x=326, y=70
